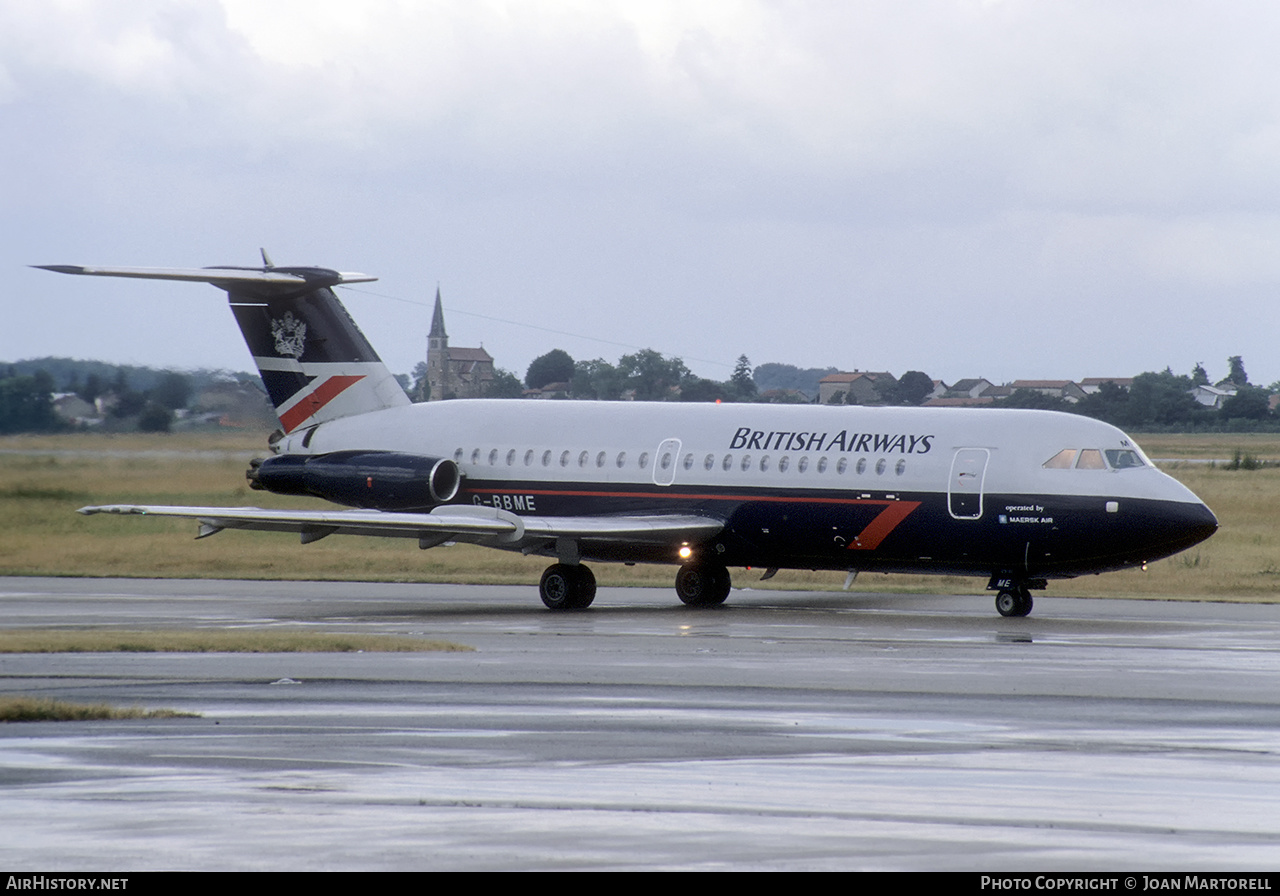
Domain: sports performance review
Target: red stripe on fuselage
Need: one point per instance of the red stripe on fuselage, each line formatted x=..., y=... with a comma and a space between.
x=867, y=540
x=324, y=393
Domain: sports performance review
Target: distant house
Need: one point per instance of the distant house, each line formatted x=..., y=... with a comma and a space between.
x=784, y=396
x=550, y=390
x=858, y=387
x=1067, y=390
x=1212, y=396
x=1091, y=385
x=455, y=372
x=958, y=402
x=74, y=409
x=969, y=388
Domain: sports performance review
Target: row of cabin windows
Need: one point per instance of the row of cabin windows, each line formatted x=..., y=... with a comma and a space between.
x=729, y=461
x=1094, y=459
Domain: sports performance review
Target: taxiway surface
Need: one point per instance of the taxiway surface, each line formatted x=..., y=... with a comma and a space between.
x=781, y=731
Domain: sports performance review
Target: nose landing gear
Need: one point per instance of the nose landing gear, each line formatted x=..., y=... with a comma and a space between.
x=1013, y=595
x=1014, y=603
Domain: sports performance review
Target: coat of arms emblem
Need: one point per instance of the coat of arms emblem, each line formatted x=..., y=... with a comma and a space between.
x=290, y=334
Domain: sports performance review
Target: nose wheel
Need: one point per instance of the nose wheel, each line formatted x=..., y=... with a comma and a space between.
x=1014, y=602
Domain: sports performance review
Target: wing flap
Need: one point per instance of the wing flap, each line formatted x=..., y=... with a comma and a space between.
x=483, y=525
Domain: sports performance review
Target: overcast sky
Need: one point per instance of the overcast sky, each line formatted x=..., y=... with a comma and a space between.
x=1011, y=189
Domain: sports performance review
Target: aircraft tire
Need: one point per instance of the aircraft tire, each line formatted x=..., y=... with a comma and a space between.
x=1014, y=603
x=702, y=585
x=565, y=587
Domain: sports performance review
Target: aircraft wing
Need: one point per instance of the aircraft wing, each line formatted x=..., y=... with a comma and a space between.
x=483, y=525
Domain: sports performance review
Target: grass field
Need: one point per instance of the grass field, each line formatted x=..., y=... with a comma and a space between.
x=43, y=479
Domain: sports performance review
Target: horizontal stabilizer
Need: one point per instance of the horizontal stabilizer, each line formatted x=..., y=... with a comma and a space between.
x=218, y=276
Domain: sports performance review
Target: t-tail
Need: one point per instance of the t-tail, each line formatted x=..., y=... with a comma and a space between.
x=315, y=363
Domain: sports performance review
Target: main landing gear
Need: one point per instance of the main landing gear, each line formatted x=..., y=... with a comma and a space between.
x=702, y=584
x=567, y=587
x=572, y=586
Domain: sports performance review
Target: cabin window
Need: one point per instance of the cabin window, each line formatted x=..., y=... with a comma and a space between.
x=1063, y=460
x=528, y=457
x=822, y=465
x=306, y=440
x=709, y=462
x=727, y=464
x=666, y=460
x=783, y=463
x=746, y=462
x=600, y=459
x=644, y=459
x=1090, y=459
x=1123, y=458
x=842, y=464
x=862, y=466
x=511, y=457
x=764, y=463
x=688, y=461
x=475, y=456
x=802, y=464
x=881, y=464
x=564, y=458
x=457, y=456
x=582, y=458
x=622, y=459
x=546, y=458
x=493, y=457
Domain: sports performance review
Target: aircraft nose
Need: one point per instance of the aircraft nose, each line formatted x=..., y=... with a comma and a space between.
x=1189, y=525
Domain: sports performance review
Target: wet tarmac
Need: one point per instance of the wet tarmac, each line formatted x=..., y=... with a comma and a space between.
x=781, y=731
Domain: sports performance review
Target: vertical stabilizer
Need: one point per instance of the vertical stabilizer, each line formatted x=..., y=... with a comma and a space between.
x=314, y=361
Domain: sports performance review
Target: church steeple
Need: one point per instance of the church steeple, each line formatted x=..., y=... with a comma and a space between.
x=437, y=320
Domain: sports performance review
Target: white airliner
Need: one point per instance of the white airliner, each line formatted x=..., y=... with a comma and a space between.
x=1018, y=497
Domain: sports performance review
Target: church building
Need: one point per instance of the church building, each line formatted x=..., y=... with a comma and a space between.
x=455, y=372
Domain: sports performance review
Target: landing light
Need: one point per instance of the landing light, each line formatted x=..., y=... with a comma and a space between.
x=685, y=552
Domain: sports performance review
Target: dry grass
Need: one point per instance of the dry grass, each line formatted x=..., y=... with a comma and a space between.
x=211, y=641
x=36, y=709
x=43, y=536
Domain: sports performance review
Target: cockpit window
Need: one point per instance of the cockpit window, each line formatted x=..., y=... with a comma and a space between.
x=1093, y=459
x=1123, y=458
x=1062, y=460
x=1090, y=459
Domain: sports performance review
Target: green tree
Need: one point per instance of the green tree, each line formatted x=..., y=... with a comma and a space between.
x=26, y=404
x=913, y=388
x=1163, y=399
x=173, y=391
x=1249, y=403
x=1199, y=376
x=651, y=375
x=1237, y=376
x=741, y=382
x=556, y=366
x=1030, y=398
x=597, y=380
x=155, y=417
x=420, y=391
x=695, y=388
x=504, y=384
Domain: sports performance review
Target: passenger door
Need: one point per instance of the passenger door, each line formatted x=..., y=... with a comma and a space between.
x=964, y=488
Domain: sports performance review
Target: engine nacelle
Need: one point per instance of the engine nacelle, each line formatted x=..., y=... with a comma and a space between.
x=383, y=480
